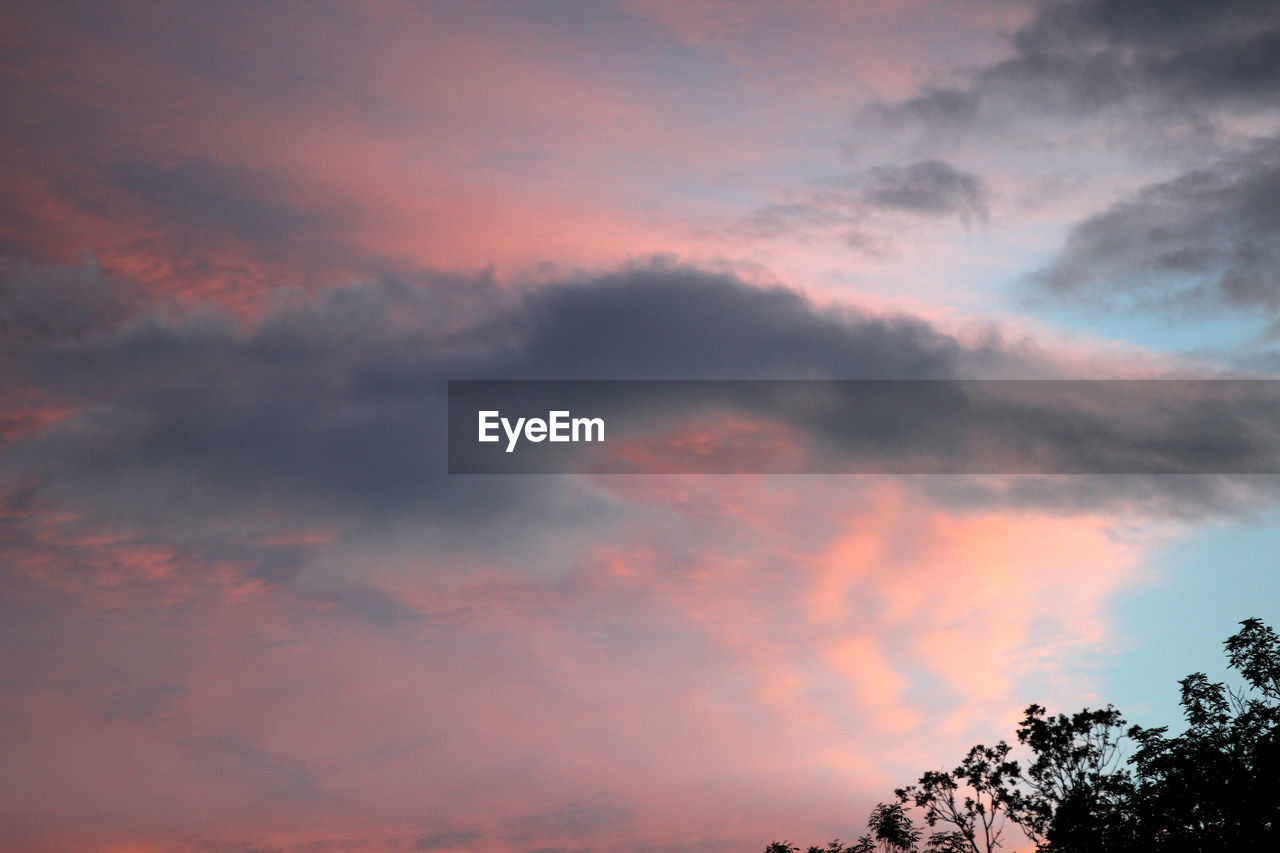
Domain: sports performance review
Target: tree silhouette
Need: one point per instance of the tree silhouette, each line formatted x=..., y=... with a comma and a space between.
x=1213, y=787
x=970, y=802
x=889, y=825
x=1217, y=785
x=833, y=847
x=1075, y=791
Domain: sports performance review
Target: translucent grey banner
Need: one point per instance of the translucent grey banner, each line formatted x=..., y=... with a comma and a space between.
x=1135, y=427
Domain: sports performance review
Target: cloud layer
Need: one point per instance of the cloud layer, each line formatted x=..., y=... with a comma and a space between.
x=471, y=663
x=244, y=608
x=1206, y=241
x=1082, y=56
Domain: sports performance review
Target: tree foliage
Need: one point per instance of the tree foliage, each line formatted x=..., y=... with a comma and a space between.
x=969, y=803
x=1076, y=788
x=1089, y=784
x=1217, y=785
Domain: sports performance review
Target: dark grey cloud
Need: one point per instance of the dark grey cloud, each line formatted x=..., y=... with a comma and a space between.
x=447, y=840
x=1162, y=78
x=1190, y=498
x=857, y=202
x=331, y=408
x=811, y=213
x=42, y=305
x=212, y=219
x=930, y=187
x=685, y=324
x=198, y=193
x=180, y=223
x=139, y=702
x=940, y=108
x=1080, y=56
x=600, y=813
x=1197, y=48
x=1208, y=240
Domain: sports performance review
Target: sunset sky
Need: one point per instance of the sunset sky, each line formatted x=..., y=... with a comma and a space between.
x=243, y=246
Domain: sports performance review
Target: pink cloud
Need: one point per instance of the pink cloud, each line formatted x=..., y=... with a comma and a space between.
x=747, y=657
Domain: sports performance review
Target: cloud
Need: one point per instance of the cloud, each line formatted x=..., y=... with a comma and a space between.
x=331, y=408
x=1207, y=241
x=930, y=188
x=359, y=647
x=450, y=840
x=1082, y=56
x=740, y=653
x=1188, y=78
x=242, y=607
x=603, y=814
x=335, y=403
x=863, y=206
x=43, y=305
x=684, y=324
x=198, y=194
x=1198, y=50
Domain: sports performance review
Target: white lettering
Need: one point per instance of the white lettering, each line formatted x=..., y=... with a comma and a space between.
x=558, y=427
x=513, y=435
x=587, y=425
x=559, y=421
x=487, y=423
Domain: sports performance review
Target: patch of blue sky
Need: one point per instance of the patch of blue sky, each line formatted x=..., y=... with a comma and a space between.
x=1174, y=623
x=1226, y=335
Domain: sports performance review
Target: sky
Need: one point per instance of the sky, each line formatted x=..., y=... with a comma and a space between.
x=243, y=607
